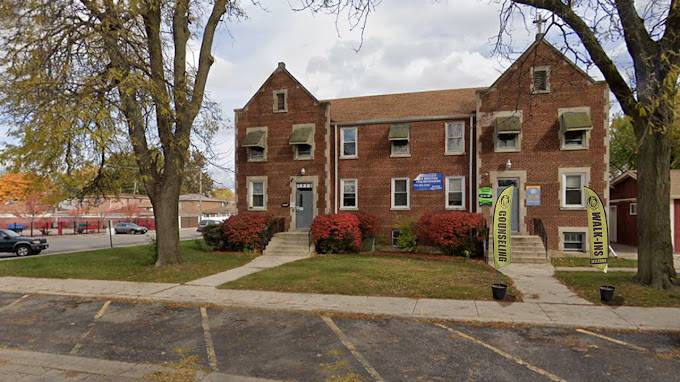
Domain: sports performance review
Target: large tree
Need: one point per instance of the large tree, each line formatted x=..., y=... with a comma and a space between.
x=588, y=30
x=79, y=78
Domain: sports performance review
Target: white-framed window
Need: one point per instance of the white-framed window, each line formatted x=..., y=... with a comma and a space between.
x=572, y=189
x=632, y=209
x=540, y=79
x=401, y=193
x=400, y=148
x=257, y=193
x=574, y=241
x=256, y=154
x=574, y=139
x=303, y=152
x=349, y=194
x=455, y=192
x=349, y=142
x=395, y=237
x=455, y=137
x=507, y=141
x=280, y=101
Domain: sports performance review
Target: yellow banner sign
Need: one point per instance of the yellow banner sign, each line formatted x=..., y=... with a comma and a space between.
x=501, y=229
x=598, y=237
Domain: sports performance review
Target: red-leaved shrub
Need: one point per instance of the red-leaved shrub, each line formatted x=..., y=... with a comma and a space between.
x=336, y=233
x=247, y=231
x=368, y=224
x=453, y=232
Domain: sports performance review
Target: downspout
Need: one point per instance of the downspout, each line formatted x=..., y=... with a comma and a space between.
x=471, y=156
x=335, y=173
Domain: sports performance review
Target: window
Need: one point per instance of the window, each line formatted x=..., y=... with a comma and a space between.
x=280, y=101
x=348, y=195
x=303, y=151
x=348, y=141
x=395, y=237
x=574, y=241
x=255, y=154
x=540, y=79
x=455, y=137
x=572, y=190
x=507, y=141
x=574, y=139
x=400, y=193
x=455, y=192
x=399, y=137
x=574, y=126
x=632, y=209
x=257, y=194
x=400, y=148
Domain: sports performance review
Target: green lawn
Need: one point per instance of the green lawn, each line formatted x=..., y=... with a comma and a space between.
x=628, y=292
x=571, y=261
x=379, y=275
x=126, y=264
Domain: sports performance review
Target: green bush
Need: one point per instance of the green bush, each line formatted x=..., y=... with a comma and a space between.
x=214, y=236
x=407, y=240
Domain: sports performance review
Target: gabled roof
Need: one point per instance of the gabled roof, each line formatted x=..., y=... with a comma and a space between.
x=540, y=39
x=628, y=174
x=404, y=105
x=281, y=67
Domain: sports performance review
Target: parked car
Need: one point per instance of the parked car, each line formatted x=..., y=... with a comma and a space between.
x=11, y=241
x=208, y=222
x=129, y=228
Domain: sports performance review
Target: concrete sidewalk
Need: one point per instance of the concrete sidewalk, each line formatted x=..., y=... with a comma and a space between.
x=571, y=315
x=258, y=264
x=537, y=284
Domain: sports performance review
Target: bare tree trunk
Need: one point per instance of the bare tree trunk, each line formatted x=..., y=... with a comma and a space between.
x=655, y=252
x=165, y=209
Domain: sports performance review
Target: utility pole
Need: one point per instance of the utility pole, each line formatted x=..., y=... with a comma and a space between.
x=200, y=192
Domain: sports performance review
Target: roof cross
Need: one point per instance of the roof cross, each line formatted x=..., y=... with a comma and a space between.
x=540, y=21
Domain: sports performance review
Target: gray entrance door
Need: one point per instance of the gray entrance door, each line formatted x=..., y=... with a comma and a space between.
x=304, y=205
x=504, y=183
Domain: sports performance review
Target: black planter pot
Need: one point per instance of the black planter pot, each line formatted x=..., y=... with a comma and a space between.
x=607, y=293
x=498, y=291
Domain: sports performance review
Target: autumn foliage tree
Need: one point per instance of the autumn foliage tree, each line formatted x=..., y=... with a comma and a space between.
x=80, y=79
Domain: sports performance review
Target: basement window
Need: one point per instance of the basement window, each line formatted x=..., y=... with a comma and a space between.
x=574, y=241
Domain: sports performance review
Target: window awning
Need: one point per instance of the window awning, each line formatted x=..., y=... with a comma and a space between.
x=510, y=124
x=302, y=135
x=255, y=139
x=574, y=121
x=399, y=132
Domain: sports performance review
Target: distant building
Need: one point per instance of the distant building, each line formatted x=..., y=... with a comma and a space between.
x=541, y=127
x=194, y=207
x=623, y=209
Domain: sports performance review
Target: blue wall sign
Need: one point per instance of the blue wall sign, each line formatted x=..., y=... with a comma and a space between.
x=432, y=181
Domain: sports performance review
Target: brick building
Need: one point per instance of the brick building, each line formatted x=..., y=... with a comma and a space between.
x=541, y=126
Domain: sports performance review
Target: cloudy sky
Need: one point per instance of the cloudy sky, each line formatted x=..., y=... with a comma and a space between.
x=408, y=45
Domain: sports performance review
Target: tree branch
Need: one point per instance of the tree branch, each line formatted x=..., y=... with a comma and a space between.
x=617, y=83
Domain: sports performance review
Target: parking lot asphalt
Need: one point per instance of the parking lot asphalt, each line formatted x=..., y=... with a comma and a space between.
x=340, y=348
x=87, y=242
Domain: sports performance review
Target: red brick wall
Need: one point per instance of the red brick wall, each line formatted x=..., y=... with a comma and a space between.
x=375, y=169
x=540, y=154
x=280, y=166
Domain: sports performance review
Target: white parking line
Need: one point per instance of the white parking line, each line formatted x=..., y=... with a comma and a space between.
x=210, y=347
x=348, y=344
x=613, y=340
x=20, y=299
x=76, y=348
x=506, y=355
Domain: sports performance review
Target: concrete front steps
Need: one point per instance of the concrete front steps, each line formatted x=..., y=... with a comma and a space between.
x=292, y=243
x=528, y=249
